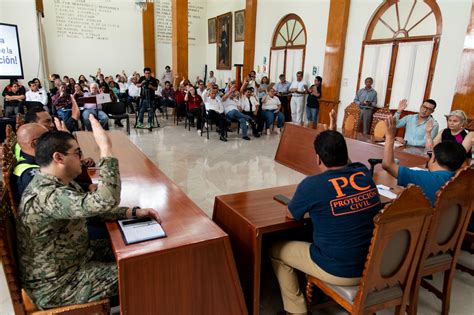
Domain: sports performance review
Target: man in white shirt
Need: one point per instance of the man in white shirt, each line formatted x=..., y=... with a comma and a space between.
x=251, y=107
x=201, y=88
x=36, y=95
x=297, y=89
x=233, y=111
x=167, y=75
x=215, y=110
x=212, y=78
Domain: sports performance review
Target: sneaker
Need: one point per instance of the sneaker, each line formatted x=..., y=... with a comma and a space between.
x=200, y=132
x=256, y=134
x=139, y=125
x=246, y=138
x=205, y=125
x=268, y=131
x=278, y=131
x=222, y=138
x=147, y=126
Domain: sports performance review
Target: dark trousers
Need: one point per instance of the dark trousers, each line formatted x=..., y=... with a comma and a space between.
x=146, y=105
x=196, y=112
x=219, y=119
x=285, y=105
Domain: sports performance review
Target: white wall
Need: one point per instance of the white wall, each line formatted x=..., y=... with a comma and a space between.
x=215, y=8
x=455, y=16
x=23, y=14
x=314, y=14
x=120, y=49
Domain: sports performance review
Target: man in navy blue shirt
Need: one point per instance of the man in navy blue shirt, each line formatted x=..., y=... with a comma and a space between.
x=341, y=201
x=446, y=159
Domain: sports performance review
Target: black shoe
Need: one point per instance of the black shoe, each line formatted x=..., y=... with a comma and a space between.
x=246, y=138
x=118, y=124
x=222, y=138
x=256, y=135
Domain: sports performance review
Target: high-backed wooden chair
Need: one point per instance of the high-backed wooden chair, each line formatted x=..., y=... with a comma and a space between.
x=20, y=120
x=22, y=304
x=351, y=118
x=378, y=126
x=399, y=234
x=8, y=164
x=463, y=265
x=443, y=242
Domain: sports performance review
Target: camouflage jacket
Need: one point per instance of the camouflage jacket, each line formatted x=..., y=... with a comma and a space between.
x=51, y=224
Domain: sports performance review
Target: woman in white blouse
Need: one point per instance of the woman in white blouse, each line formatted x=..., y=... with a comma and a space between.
x=271, y=108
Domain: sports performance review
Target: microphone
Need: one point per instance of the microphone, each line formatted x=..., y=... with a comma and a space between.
x=373, y=163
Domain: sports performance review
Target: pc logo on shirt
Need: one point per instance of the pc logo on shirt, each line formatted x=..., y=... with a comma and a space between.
x=352, y=197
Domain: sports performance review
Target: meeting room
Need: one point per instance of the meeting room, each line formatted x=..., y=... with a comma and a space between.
x=188, y=157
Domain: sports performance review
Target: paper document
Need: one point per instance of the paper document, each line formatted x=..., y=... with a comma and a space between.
x=103, y=98
x=385, y=191
x=395, y=144
x=140, y=229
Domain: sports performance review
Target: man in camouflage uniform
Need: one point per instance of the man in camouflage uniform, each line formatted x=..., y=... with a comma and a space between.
x=58, y=264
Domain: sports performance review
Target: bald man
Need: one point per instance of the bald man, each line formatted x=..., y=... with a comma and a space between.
x=26, y=169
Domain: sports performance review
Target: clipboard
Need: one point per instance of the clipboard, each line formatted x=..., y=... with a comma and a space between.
x=137, y=230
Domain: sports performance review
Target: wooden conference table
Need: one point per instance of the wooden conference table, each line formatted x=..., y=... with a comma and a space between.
x=192, y=270
x=253, y=218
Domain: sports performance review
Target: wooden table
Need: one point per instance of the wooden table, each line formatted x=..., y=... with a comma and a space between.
x=296, y=150
x=192, y=270
x=252, y=217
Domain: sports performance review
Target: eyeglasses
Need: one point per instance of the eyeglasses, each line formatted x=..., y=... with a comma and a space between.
x=77, y=152
x=427, y=108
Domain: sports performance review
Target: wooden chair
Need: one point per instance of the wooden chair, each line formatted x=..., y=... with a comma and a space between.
x=378, y=127
x=351, y=118
x=445, y=235
x=8, y=164
x=399, y=233
x=462, y=265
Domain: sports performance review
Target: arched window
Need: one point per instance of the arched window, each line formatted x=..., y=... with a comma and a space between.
x=400, y=49
x=288, y=48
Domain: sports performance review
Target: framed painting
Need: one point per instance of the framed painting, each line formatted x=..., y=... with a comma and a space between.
x=224, y=41
x=211, y=30
x=239, y=18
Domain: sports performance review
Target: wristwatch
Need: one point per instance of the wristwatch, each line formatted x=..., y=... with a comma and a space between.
x=134, y=211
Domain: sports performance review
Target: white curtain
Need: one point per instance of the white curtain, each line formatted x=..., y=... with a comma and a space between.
x=411, y=74
x=278, y=64
x=376, y=64
x=294, y=63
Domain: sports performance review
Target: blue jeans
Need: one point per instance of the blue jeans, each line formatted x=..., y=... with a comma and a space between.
x=269, y=115
x=312, y=114
x=146, y=105
x=236, y=115
x=103, y=119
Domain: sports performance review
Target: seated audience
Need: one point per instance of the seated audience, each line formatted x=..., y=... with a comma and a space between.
x=194, y=102
x=271, y=108
x=91, y=108
x=66, y=108
x=167, y=75
x=36, y=95
x=201, y=87
x=447, y=158
x=233, y=111
x=147, y=101
x=179, y=95
x=168, y=96
x=342, y=224
x=366, y=98
x=74, y=270
x=70, y=86
x=10, y=86
x=215, y=110
x=83, y=79
x=56, y=83
x=13, y=100
x=78, y=92
x=263, y=87
x=421, y=128
x=457, y=120
x=134, y=92
x=312, y=102
x=114, y=88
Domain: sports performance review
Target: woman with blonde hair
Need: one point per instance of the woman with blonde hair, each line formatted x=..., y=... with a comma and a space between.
x=456, y=131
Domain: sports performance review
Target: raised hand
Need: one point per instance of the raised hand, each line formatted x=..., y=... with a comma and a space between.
x=429, y=126
x=60, y=125
x=402, y=105
x=391, y=131
x=101, y=137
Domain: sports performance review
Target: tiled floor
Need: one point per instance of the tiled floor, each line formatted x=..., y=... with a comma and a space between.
x=205, y=168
